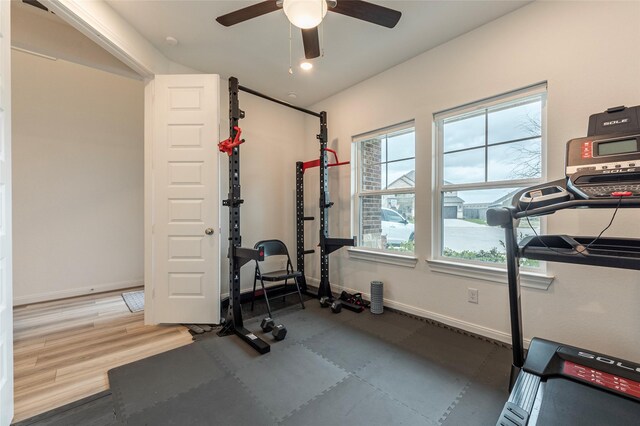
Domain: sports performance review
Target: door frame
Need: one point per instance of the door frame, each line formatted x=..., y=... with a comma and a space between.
x=148, y=278
x=7, y=392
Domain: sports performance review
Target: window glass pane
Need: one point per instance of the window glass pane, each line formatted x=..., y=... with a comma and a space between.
x=464, y=167
x=372, y=151
x=383, y=148
x=387, y=162
x=387, y=222
x=465, y=233
x=401, y=174
x=383, y=175
x=370, y=221
x=392, y=216
x=516, y=160
x=400, y=146
x=463, y=133
x=519, y=121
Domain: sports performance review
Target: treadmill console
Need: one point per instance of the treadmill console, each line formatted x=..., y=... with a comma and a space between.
x=540, y=196
x=605, y=166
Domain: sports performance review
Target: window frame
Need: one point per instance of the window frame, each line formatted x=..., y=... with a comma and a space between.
x=534, y=91
x=358, y=193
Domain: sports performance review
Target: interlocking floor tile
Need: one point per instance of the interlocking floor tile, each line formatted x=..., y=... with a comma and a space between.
x=354, y=402
x=283, y=381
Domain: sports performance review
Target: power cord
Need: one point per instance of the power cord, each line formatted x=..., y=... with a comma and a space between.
x=578, y=252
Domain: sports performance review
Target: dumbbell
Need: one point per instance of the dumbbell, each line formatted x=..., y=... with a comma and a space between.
x=267, y=324
x=325, y=302
x=336, y=307
x=279, y=332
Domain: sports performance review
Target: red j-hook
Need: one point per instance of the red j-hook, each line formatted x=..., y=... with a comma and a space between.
x=227, y=145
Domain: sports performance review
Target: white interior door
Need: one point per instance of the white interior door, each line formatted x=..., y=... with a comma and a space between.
x=6, y=303
x=185, y=230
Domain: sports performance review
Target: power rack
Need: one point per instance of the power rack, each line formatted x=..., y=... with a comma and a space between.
x=238, y=255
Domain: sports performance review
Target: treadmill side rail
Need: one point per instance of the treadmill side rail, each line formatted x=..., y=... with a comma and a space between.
x=518, y=408
x=512, y=415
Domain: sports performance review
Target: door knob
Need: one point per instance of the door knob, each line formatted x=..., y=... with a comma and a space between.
x=208, y=231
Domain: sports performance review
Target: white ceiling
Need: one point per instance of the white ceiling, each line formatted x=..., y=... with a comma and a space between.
x=257, y=51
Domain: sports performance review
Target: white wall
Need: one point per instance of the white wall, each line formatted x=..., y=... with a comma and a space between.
x=77, y=179
x=588, y=53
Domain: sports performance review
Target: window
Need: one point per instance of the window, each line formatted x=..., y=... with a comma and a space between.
x=486, y=153
x=384, y=188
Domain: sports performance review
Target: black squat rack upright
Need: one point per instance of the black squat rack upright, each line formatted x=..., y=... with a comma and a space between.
x=327, y=245
x=238, y=255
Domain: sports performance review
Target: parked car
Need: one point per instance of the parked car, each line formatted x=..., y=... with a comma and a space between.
x=397, y=229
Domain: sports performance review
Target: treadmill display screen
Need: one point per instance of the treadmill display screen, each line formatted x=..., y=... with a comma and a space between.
x=605, y=380
x=617, y=147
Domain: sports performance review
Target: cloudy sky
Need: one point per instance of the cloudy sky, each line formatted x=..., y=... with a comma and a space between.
x=503, y=161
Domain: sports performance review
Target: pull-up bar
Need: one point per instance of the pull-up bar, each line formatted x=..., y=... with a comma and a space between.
x=278, y=101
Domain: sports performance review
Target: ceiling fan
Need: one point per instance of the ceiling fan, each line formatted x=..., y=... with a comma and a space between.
x=307, y=15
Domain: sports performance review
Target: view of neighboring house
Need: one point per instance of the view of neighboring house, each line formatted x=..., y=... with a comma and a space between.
x=403, y=203
x=452, y=207
x=455, y=207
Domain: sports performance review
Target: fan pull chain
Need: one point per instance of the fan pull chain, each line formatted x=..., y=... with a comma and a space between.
x=290, y=66
x=322, y=32
x=322, y=39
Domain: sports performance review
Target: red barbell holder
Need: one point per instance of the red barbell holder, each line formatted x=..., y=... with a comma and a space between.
x=316, y=163
x=227, y=145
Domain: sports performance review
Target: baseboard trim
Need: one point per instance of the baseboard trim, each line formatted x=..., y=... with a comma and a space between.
x=73, y=292
x=487, y=332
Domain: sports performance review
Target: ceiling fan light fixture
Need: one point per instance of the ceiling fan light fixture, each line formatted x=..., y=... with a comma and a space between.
x=305, y=14
x=306, y=66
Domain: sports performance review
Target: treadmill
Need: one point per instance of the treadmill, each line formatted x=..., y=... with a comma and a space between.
x=557, y=384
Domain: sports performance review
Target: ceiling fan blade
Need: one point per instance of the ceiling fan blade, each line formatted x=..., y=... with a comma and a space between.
x=368, y=12
x=248, y=12
x=311, y=43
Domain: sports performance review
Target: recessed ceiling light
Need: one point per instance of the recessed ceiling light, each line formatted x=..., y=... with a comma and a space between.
x=306, y=66
x=292, y=95
x=171, y=41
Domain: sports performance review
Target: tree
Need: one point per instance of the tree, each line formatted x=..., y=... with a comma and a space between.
x=527, y=158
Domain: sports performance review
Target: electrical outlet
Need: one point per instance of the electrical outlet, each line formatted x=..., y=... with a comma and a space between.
x=472, y=295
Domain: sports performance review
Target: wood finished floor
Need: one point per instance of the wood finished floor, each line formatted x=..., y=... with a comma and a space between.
x=63, y=349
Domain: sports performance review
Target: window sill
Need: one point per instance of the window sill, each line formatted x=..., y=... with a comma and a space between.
x=383, y=257
x=487, y=273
